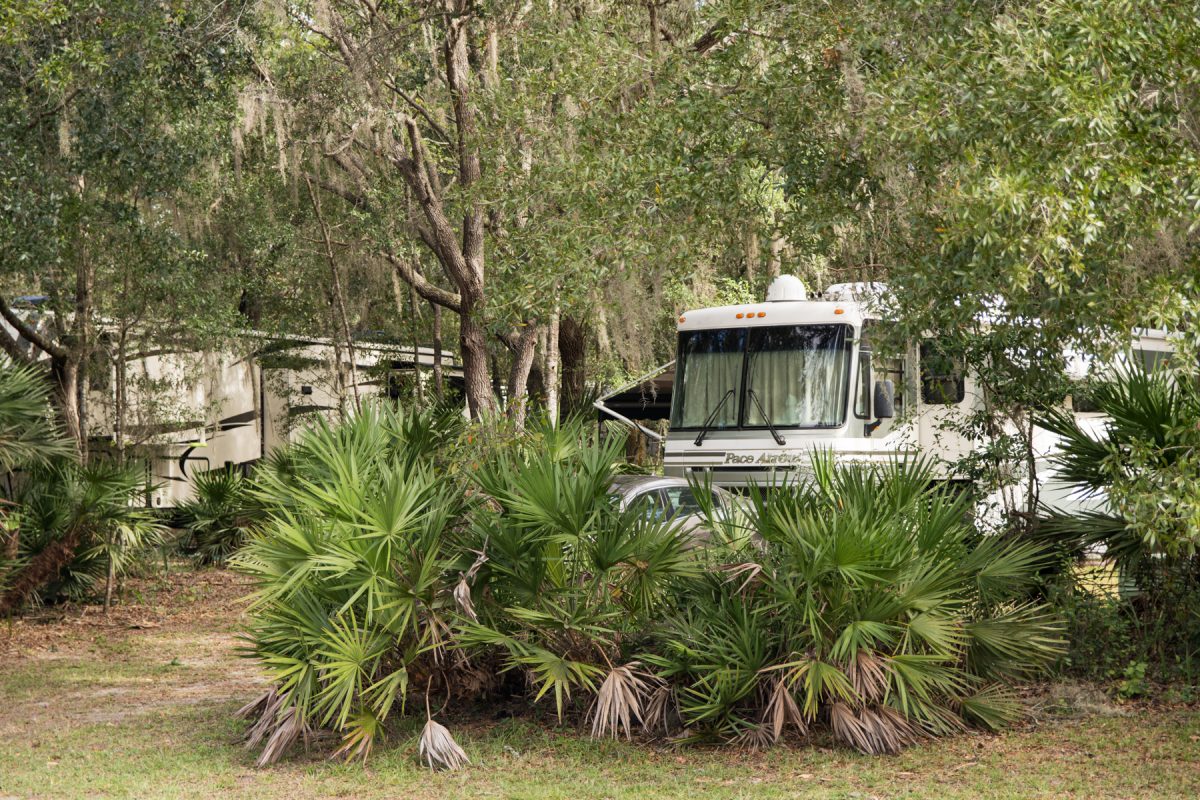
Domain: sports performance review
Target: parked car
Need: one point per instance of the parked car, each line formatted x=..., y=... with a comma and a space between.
x=668, y=498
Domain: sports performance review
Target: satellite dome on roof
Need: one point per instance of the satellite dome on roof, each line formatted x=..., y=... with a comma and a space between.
x=784, y=288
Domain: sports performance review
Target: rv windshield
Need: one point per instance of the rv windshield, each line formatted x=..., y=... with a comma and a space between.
x=710, y=366
x=799, y=374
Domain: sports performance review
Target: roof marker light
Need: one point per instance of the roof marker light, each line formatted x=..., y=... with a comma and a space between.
x=740, y=315
x=839, y=311
x=683, y=319
x=762, y=313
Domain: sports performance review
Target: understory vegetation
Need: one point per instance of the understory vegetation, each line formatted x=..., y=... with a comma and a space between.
x=70, y=529
x=860, y=599
x=1143, y=476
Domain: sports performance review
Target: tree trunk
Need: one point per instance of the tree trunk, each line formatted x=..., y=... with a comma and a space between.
x=572, y=347
x=552, y=367
x=64, y=372
x=120, y=395
x=437, y=351
x=39, y=571
x=775, y=265
x=335, y=290
x=518, y=378
x=110, y=575
x=477, y=381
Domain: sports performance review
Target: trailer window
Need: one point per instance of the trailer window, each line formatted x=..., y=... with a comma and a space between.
x=942, y=380
x=709, y=367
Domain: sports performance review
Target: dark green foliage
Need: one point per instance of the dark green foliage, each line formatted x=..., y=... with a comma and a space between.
x=1146, y=468
x=1158, y=628
x=219, y=516
x=865, y=600
x=28, y=435
x=99, y=509
x=66, y=527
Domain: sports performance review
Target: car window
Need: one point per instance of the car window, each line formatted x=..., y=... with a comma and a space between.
x=681, y=502
x=651, y=504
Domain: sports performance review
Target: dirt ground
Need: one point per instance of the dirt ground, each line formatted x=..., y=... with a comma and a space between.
x=185, y=618
x=140, y=704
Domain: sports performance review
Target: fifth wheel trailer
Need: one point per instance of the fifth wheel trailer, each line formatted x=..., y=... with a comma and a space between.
x=189, y=412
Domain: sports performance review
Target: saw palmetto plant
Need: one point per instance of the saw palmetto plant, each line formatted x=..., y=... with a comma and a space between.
x=352, y=599
x=219, y=515
x=1144, y=464
x=572, y=583
x=870, y=605
x=29, y=436
x=95, y=516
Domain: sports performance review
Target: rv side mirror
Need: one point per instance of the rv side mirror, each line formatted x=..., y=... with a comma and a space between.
x=884, y=401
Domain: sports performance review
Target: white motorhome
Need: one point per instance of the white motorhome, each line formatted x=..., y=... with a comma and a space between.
x=756, y=389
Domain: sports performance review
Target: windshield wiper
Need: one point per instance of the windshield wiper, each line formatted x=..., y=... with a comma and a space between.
x=708, y=422
x=779, y=440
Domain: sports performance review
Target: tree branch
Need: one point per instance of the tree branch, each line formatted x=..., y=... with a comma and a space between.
x=430, y=291
x=29, y=333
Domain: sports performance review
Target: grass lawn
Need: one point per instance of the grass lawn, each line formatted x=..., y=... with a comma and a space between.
x=140, y=705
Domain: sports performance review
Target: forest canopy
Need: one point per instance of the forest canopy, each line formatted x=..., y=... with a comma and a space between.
x=543, y=186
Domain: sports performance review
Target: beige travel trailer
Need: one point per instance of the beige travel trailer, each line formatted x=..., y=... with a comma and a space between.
x=190, y=412
x=756, y=389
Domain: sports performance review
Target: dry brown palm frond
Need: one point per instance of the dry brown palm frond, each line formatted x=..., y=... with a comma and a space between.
x=480, y=559
x=782, y=711
x=462, y=598
x=659, y=709
x=278, y=726
x=848, y=728
x=874, y=731
x=754, y=737
x=748, y=572
x=290, y=727
x=439, y=634
x=619, y=702
x=438, y=749
x=868, y=675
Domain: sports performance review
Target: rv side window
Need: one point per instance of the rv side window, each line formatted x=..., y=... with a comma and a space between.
x=1152, y=360
x=941, y=377
x=862, y=396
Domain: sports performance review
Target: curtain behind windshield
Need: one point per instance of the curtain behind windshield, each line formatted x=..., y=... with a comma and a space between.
x=710, y=365
x=799, y=375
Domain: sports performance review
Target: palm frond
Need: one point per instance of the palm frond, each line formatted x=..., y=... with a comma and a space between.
x=438, y=749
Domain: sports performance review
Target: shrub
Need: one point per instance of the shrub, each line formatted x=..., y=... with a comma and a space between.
x=864, y=600
x=351, y=565
x=566, y=585
x=219, y=515
x=869, y=603
x=1145, y=466
x=93, y=518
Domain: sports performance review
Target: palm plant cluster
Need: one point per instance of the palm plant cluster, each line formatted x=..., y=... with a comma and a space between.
x=1142, y=469
x=218, y=516
x=1145, y=464
x=68, y=527
x=867, y=601
x=390, y=579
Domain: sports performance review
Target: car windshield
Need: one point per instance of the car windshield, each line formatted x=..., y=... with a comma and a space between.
x=799, y=376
